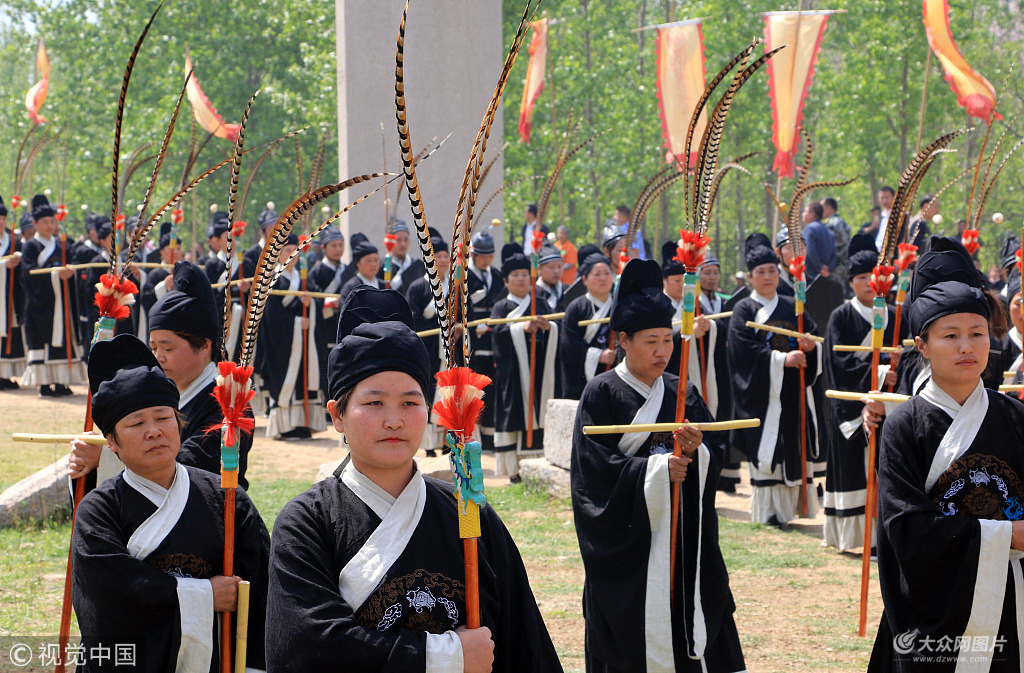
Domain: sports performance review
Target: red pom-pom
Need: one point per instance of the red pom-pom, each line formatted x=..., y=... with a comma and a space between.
x=881, y=280
x=797, y=267
x=907, y=256
x=62, y=212
x=114, y=297
x=233, y=393
x=691, y=249
x=1019, y=268
x=15, y=202
x=538, y=240
x=970, y=240
x=238, y=229
x=390, y=240
x=177, y=216
x=461, y=393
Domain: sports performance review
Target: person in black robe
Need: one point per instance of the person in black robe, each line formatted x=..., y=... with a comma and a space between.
x=950, y=489
x=485, y=288
x=584, y=350
x=1012, y=348
x=251, y=257
x=621, y=486
x=512, y=362
x=365, y=264
x=218, y=269
x=784, y=251
x=405, y=269
x=766, y=385
x=549, y=277
x=159, y=281
x=367, y=566
x=424, y=317
x=51, y=308
x=291, y=359
x=12, y=306
x=326, y=275
x=148, y=545
x=86, y=252
x=846, y=472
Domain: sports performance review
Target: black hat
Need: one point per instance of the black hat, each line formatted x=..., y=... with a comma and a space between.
x=3, y=207
x=1012, y=287
x=669, y=265
x=782, y=237
x=131, y=223
x=863, y=261
x=1008, y=255
x=640, y=302
x=437, y=241
x=219, y=223
x=268, y=217
x=399, y=225
x=361, y=250
x=710, y=260
x=190, y=307
x=592, y=260
x=103, y=226
x=861, y=242
x=41, y=207
x=513, y=259
x=548, y=253
x=586, y=251
x=759, y=251
x=331, y=233
x=942, y=299
x=26, y=221
x=483, y=244
x=124, y=377
x=612, y=235
x=165, y=240
x=375, y=335
x=947, y=259
x=357, y=238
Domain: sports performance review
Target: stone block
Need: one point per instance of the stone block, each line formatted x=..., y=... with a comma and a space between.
x=552, y=478
x=559, y=420
x=37, y=497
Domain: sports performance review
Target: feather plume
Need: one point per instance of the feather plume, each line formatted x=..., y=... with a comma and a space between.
x=716, y=179
x=119, y=117
x=17, y=163
x=415, y=197
x=233, y=393
x=252, y=174
x=793, y=214
x=498, y=192
x=43, y=141
x=988, y=187
x=805, y=170
x=416, y=160
x=563, y=159
x=114, y=297
x=266, y=266
x=644, y=191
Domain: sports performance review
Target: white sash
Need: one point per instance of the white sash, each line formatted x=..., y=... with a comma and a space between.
x=547, y=390
x=770, y=428
x=961, y=433
x=399, y=519
x=693, y=368
x=5, y=238
x=195, y=596
x=709, y=306
x=768, y=307
x=1015, y=337
x=601, y=310
x=630, y=442
x=49, y=245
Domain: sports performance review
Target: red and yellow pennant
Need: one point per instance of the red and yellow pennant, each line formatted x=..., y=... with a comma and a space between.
x=973, y=91
x=204, y=111
x=534, y=77
x=36, y=96
x=681, y=81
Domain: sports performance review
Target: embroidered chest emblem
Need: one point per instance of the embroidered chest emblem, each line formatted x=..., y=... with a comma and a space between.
x=980, y=486
x=420, y=599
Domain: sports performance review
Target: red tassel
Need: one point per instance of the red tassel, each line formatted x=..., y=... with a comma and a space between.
x=908, y=255
x=115, y=297
x=970, y=240
x=177, y=216
x=390, y=240
x=461, y=390
x=15, y=202
x=62, y=212
x=691, y=249
x=238, y=229
x=233, y=393
x=797, y=267
x=538, y=240
x=881, y=280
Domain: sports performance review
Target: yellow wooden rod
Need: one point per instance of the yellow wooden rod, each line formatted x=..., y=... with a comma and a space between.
x=1009, y=374
x=493, y=321
x=296, y=293
x=242, y=627
x=4, y=258
x=864, y=349
x=714, y=426
x=909, y=342
x=98, y=265
x=850, y=396
x=602, y=321
x=783, y=331
x=236, y=281
x=1015, y=388
x=33, y=438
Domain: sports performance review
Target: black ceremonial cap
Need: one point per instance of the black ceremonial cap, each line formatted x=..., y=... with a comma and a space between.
x=1008, y=255
x=190, y=307
x=669, y=265
x=125, y=377
x=640, y=302
x=483, y=244
x=513, y=259
x=1012, y=288
x=41, y=207
x=375, y=335
x=26, y=221
x=437, y=241
x=946, y=259
x=331, y=233
x=942, y=299
x=548, y=253
x=759, y=251
x=862, y=242
x=3, y=207
x=267, y=218
x=863, y=261
x=363, y=249
x=592, y=260
x=219, y=223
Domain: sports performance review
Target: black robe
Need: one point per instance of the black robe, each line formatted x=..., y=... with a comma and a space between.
x=554, y=296
x=409, y=275
x=937, y=547
x=216, y=272
x=12, y=305
x=481, y=301
x=846, y=477
x=314, y=629
x=613, y=524
x=41, y=300
x=351, y=284
x=327, y=279
x=508, y=403
x=123, y=600
x=573, y=347
x=200, y=448
x=87, y=252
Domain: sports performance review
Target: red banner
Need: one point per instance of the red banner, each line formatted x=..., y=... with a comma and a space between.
x=681, y=81
x=534, y=77
x=36, y=96
x=204, y=111
x=973, y=91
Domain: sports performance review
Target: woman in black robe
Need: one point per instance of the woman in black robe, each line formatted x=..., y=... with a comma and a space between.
x=290, y=358
x=766, y=385
x=846, y=472
x=584, y=351
x=148, y=547
x=367, y=566
x=950, y=489
x=12, y=304
x=1012, y=348
x=622, y=506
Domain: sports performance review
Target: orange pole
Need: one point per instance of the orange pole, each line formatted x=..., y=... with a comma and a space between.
x=677, y=450
x=870, y=503
x=228, y=571
x=64, y=299
x=533, y=357
x=803, y=428
x=472, y=583
x=703, y=359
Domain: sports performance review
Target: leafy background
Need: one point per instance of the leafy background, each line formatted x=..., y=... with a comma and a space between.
x=862, y=111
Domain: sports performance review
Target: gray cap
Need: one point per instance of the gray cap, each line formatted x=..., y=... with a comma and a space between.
x=483, y=244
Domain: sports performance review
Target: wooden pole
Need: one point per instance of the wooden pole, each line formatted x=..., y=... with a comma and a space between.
x=472, y=568
x=803, y=421
x=64, y=299
x=533, y=355
x=304, y=273
x=228, y=571
x=869, y=512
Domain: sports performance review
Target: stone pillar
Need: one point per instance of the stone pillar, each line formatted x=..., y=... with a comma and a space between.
x=453, y=56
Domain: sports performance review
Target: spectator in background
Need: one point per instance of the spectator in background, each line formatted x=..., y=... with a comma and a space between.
x=622, y=215
x=841, y=233
x=821, y=245
x=530, y=217
x=872, y=225
x=739, y=281
x=886, y=196
x=564, y=244
x=995, y=278
x=919, y=229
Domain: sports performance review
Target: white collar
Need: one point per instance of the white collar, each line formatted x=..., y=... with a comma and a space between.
x=367, y=281
x=329, y=264
x=518, y=300
x=761, y=299
x=207, y=376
